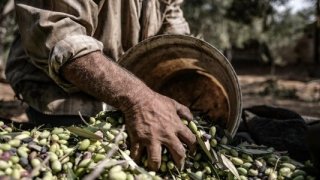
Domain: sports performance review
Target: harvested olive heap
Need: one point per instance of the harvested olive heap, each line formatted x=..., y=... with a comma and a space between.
x=98, y=150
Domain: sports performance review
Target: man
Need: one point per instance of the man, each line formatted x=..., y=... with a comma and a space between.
x=63, y=62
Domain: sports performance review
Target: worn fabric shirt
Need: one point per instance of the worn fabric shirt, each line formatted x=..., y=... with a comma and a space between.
x=52, y=32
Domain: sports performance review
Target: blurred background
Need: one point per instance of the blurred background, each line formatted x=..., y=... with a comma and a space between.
x=279, y=32
x=272, y=44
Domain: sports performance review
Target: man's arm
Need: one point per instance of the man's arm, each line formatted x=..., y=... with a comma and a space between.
x=151, y=119
x=57, y=37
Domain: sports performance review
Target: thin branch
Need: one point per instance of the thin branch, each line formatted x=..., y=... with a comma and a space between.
x=103, y=164
x=69, y=153
x=36, y=169
x=83, y=120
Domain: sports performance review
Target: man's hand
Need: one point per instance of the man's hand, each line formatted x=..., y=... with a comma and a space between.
x=155, y=122
x=151, y=119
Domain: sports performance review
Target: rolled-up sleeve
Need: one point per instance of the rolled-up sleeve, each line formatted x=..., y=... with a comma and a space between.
x=173, y=21
x=54, y=32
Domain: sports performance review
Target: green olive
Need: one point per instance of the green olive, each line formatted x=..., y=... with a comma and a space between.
x=193, y=127
x=56, y=166
x=84, y=144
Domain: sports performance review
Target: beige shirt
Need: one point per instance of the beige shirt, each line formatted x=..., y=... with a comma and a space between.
x=55, y=31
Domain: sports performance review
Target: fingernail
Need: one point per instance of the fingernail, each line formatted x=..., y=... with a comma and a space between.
x=182, y=166
x=153, y=166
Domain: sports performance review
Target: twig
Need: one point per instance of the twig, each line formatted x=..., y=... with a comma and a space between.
x=215, y=171
x=100, y=167
x=83, y=120
x=173, y=177
x=116, y=141
x=133, y=164
x=36, y=169
x=69, y=153
x=175, y=167
x=275, y=166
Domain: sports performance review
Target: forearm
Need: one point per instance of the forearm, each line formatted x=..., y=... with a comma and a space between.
x=105, y=80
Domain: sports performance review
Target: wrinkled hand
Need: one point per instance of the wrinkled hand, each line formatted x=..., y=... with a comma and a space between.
x=155, y=122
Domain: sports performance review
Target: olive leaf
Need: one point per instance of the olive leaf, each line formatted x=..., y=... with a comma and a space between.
x=296, y=163
x=215, y=155
x=91, y=128
x=254, y=149
x=204, y=148
x=83, y=133
x=207, y=143
x=70, y=174
x=228, y=164
x=216, y=159
x=225, y=146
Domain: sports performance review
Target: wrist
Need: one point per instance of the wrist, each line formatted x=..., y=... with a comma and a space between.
x=137, y=98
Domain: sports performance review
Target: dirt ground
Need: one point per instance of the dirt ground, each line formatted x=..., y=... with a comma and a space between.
x=293, y=87
x=288, y=87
